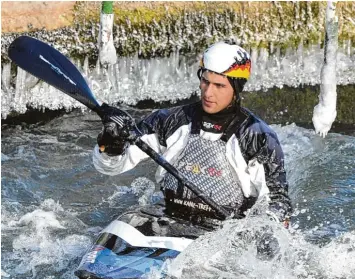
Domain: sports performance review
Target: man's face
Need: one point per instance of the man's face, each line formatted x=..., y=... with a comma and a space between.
x=216, y=92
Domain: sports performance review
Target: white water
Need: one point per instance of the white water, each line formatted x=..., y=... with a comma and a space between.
x=54, y=202
x=231, y=253
x=131, y=80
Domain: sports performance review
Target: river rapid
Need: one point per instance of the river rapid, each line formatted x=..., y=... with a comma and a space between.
x=54, y=203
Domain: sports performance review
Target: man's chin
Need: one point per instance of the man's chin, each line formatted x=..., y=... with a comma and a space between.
x=210, y=110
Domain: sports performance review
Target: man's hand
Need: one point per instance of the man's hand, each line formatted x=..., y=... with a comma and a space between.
x=113, y=138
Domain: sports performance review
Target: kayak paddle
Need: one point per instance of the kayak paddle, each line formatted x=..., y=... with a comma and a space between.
x=49, y=65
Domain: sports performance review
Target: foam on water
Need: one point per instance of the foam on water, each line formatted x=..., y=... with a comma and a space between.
x=141, y=187
x=231, y=252
x=322, y=187
x=49, y=240
x=54, y=203
x=44, y=242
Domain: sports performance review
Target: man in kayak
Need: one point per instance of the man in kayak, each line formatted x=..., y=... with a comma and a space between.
x=224, y=149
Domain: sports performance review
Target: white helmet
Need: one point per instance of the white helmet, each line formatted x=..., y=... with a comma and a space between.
x=227, y=59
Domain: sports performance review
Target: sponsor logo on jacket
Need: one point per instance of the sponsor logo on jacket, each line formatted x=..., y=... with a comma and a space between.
x=197, y=169
x=208, y=125
x=193, y=204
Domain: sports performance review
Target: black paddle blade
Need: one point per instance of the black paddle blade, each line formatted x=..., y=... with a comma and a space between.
x=48, y=64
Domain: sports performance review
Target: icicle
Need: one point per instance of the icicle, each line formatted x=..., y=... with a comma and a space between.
x=263, y=59
x=19, y=102
x=254, y=57
x=300, y=54
x=6, y=77
x=348, y=48
x=5, y=90
x=117, y=78
x=86, y=66
x=78, y=64
x=271, y=48
x=278, y=57
x=30, y=82
x=98, y=68
x=325, y=112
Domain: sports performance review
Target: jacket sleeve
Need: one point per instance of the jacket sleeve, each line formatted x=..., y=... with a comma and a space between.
x=113, y=165
x=272, y=158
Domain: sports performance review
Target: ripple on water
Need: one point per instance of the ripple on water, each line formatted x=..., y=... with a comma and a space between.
x=54, y=203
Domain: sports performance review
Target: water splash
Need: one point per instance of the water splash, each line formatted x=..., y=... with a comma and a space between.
x=35, y=251
x=234, y=252
x=142, y=188
x=320, y=243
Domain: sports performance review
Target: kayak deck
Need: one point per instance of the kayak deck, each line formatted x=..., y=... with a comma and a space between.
x=129, y=248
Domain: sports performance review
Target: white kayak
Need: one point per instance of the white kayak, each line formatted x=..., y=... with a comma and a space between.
x=121, y=251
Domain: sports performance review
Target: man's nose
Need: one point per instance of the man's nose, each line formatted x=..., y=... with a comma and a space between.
x=209, y=91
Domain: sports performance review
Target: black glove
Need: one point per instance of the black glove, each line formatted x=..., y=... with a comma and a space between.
x=117, y=125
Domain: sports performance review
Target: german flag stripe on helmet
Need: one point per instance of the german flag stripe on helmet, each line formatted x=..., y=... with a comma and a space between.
x=236, y=70
x=239, y=71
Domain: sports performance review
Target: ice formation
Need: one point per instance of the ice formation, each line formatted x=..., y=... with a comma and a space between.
x=325, y=112
x=172, y=78
x=107, y=51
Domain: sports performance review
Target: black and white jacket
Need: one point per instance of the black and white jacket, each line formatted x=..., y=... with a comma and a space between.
x=252, y=149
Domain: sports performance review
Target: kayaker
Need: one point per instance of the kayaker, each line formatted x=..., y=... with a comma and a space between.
x=223, y=148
